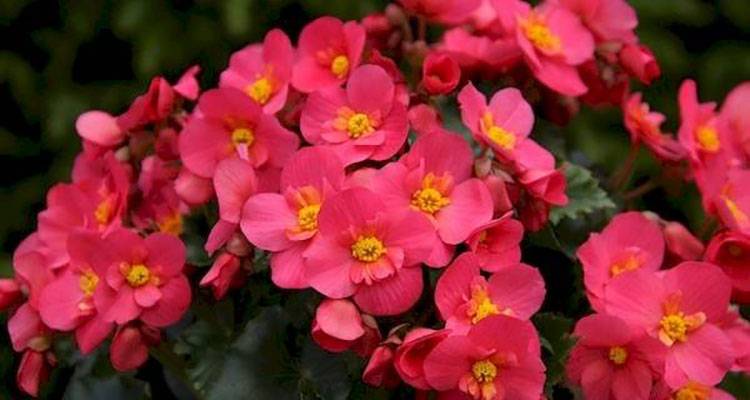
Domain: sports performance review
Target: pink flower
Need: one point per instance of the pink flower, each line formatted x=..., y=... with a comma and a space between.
x=731, y=251
x=10, y=293
x=440, y=74
x=504, y=124
x=229, y=124
x=484, y=365
x=338, y=326
x=225, y=272
x=34, y=370
x=100, y=128
x=129, y=349
x=434, y=178
x=464, y=297
x=27, y=331
x=680, y=307
x=286, y=223
x=608, y=20
x=450, y=12
x=328, y=51
x=362, y=122
x=193, y=189
x=262, y=71
x=480, y=52
x=702, y=133
x=644, y=126
x=496, y=244
x=733, y=110
x=410, y=355
x=613, y=361
x=639, y=61
x=690, y=391
x=140, y=278
x=379, y=371
x=553, y=41
x=630, y=242
x=681, y=244
x=369, y=251
x=733, y=201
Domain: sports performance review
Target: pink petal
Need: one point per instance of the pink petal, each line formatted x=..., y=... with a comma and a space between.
x=146, y=296
x=266, y=217
x=520, y=288
x=58, y=303
x=410, y=231
x=393, y=295
x=128, y=350
x=637, y=298
x=602, y=330
x=453, y=288
x=370, y=90
x=448, y=362
x=312, y=166
x=202, y=145
x=166, y=253
x=319, y=112
x=100, y=128
x=441, y=152
x=288, y=267
x=219, y=235
x=123, y=309
x=327, y=268
x=279, y=142
x=395, y=129
x=560, y=77
x=340, y=319
x=234, y=182
x=511, y=111
x=705, y=357
x=705, y=288
x=92, y=333
x=175, y=299
x=470, y=207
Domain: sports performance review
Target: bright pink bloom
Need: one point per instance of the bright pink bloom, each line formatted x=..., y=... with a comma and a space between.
x=731, y=251
x=630, y=242
x=644, y=126
x=608, y=20
x=690, y=391
x=682, y=245
x=680, y=307
x=33, y=265
x=129, y=349
x=286, y=223
x=229, y=124
x=100, y=128
x=480, y=52
x=503, y=124
x=440, y=74
x=734, y=111
x=464, y=297
x=379, y=371
x=362, y=122
x=369, y=251
x=434, y=178
x=485, y=365
x=262, y=71
x=733, y=201
x=612, y=360
x=27, y=331
x=546, y=184
x=450, y=12
x=553, y=41
x=496, y=244
x=607, y=85
x=328, y=51
x=140, y=278
x=224, y=273
x=702, y=132
x=424, y=118
x=193, y=189
x=738, y=331
x=33, y=371
x=338, y=326
x=410, y=355
x=639, y=61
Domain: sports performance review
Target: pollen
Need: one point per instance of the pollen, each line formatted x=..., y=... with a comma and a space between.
x=307, y=217
x=171, y=224
x=629, y=263
x=103, y=212
x=618, y=355
x=708, y=138
x=481, y=305
x=243, y=136
x=368, y=249
x=430, y=198
x=484, y=371
x=87, y=282
x=137, y=275
x=340, y=66
x=359, y=124
x=739, y=216
x=504, y=139
x=693, y=391
x=537, y=31
x=260, y=90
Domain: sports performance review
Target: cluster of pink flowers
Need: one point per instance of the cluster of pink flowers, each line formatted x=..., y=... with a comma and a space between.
x=326, y=158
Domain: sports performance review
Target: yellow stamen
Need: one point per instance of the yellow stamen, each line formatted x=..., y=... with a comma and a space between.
x=481, y=305
x=340, y=66
x=307, y=217
x=137, y=275
x=693, y=391
x=243, y=136
x=629, y=263
x=171, y=224
x=739, y=216
x=537, y=31
x=87, y=282
x=103, y=212
x=497, y=134
x=430, y=198
x=618, y=355
x=368, y=249
x=358, y=125
x=484, y=371
x=260, y=90
x=708, y=138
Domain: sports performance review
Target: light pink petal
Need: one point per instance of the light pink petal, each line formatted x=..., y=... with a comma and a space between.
x=319, y=112
x=453, y=288
x=705, y=357
x=234, y=182
x=370, y=90
x=288, y=267
x=99, y=127
x=202, y=145
x=175, y=300
x=511, y=112
x=442, y=151
x=59, y=301
x=393, y=295
x=219, y=236
x=577, y=42
x=279, y=142
x=265, y=219
x=560, y=77
x=410, y=231
x=311, y=166
x=470, y=207
x=705, y=288
x=519, y=288
x=327, y=268
x=187, y=86
x=146, y=296
x=92, y=333
x=340, y=319
x=166, y=253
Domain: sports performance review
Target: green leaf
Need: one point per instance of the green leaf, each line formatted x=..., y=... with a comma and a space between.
x=324, y=373
x=93, y=378
x=737, y=384
x=584, y=195
x=555, y=336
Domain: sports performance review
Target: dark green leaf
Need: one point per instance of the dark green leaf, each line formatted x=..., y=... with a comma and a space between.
x=584, y=195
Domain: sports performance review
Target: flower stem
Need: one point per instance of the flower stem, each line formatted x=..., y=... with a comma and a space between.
x=164, y=354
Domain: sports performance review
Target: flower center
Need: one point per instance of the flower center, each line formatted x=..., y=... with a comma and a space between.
x=243, y=136
x=430, y=198
x=693, y=391
x=498, y=135
x=708, y=138
x=628, y=263
x=484, y=371
x=137, y=275
x=171, y=224
x=739, y=216
x=358, y=124
x=618, y=355
x=260, y=90
x=481, y=305
x=537, y=31
x=340, y=66
x=103, y=212
x=307, y=217
x=87, y=282
x=368, y=249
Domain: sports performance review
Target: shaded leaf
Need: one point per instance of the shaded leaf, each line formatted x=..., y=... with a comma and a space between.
x=584, y=194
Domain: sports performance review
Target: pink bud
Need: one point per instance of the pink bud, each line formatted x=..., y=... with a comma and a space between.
x=128, y=350
x=440, y=73
x=10, y=292
x=337, y=325
x=681, y=243
x=639, y=61
x=424, y=118
x=32, y=372
x=222, y=274
x=193, y=189
x=379, y=371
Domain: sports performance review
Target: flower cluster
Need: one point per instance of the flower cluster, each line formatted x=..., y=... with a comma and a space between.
x=334, y=165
